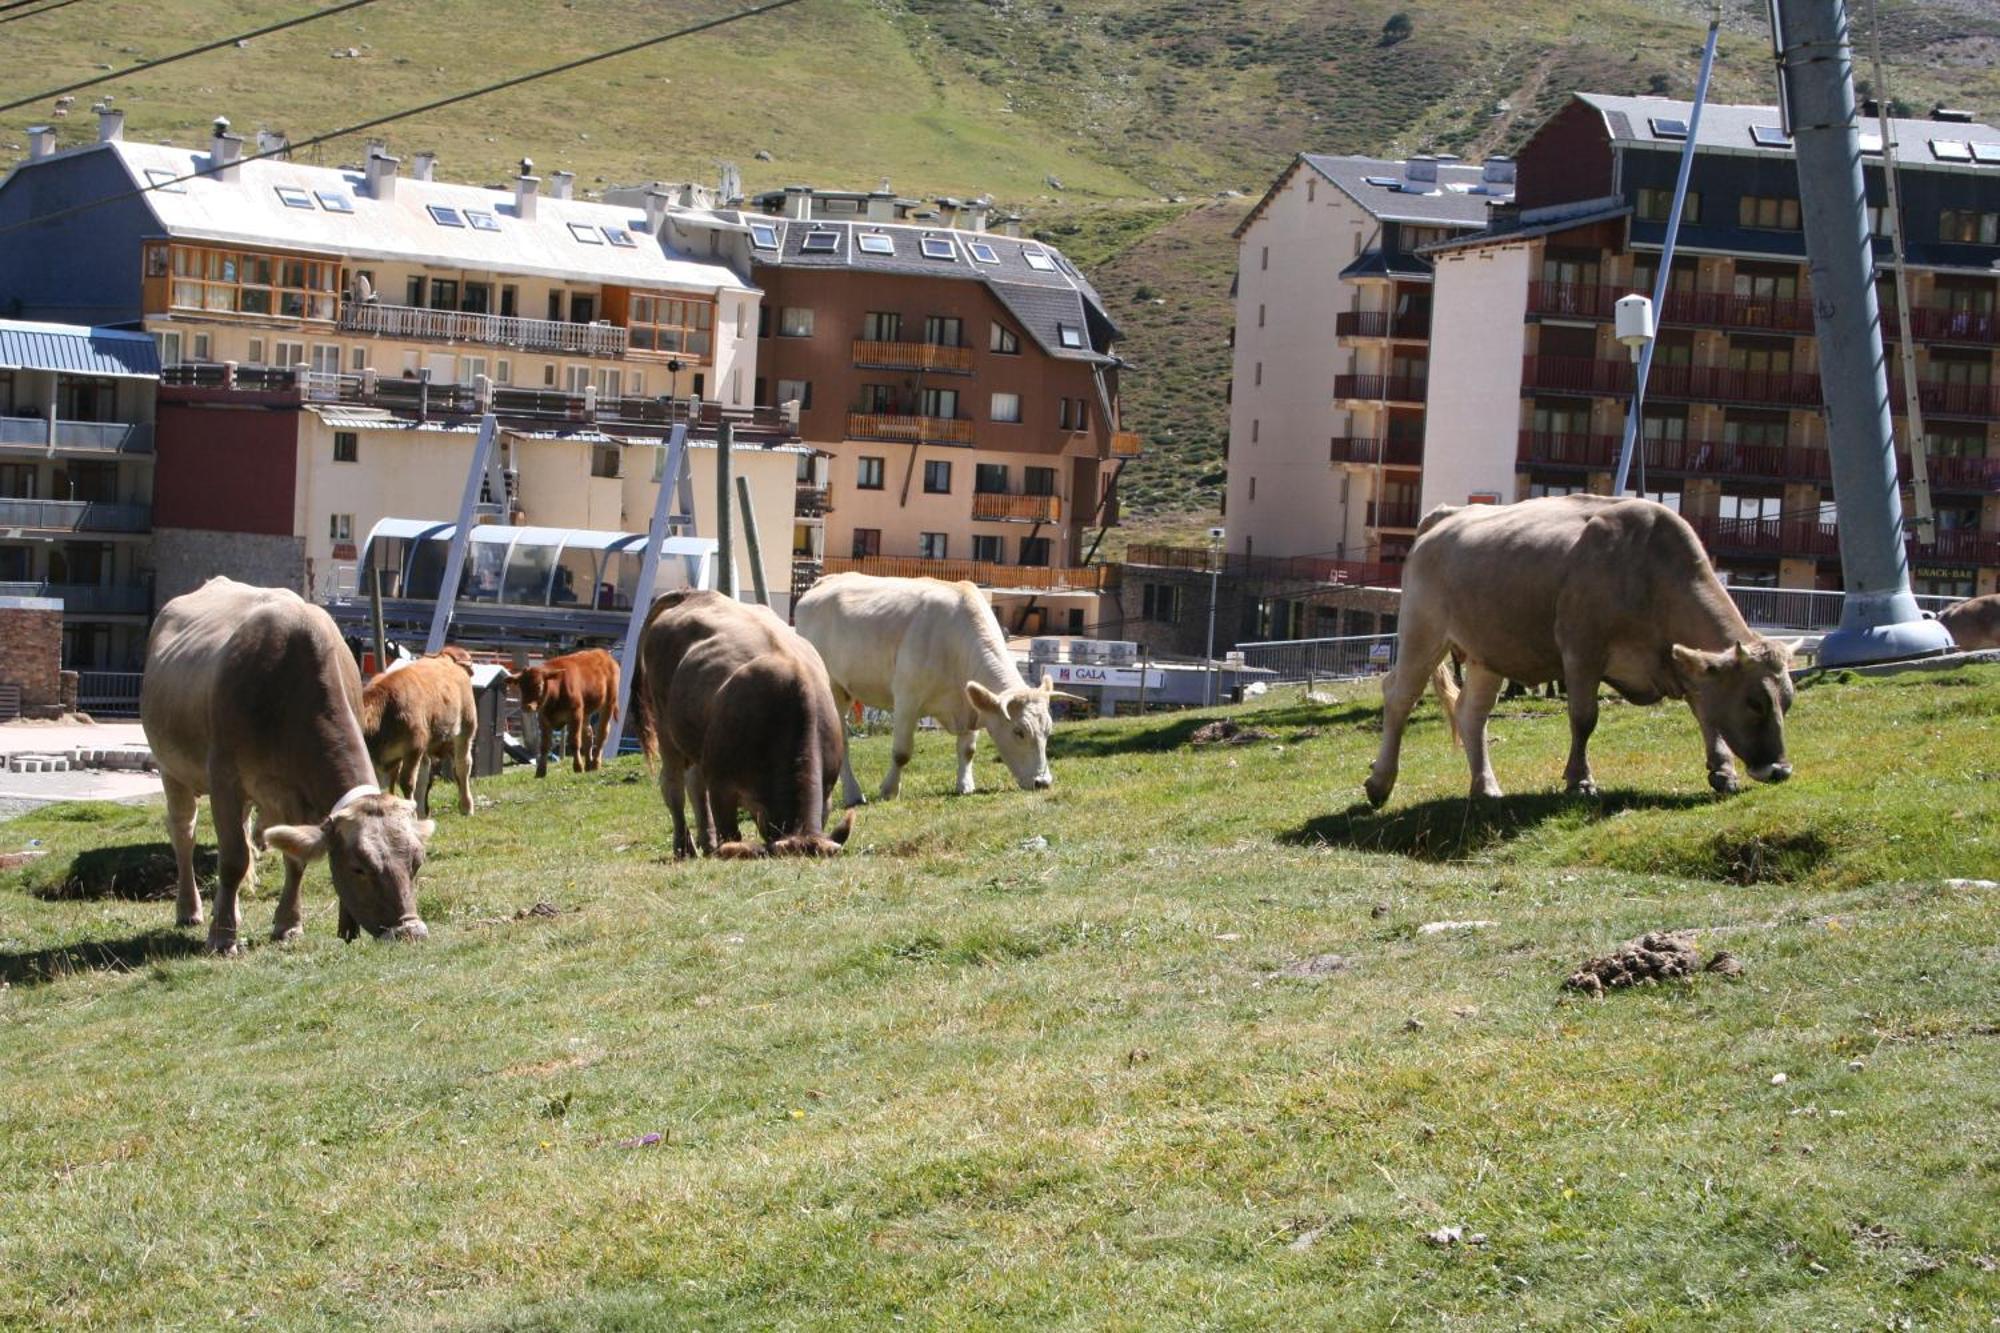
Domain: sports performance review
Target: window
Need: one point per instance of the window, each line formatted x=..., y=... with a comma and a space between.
x=1069, y=335
x=1767, y=213
x=576, y=379
x=582, y=308
x=292, y=197
x=444, y=293
x=1083, y=414
x=1004, y=341
x=1966, y=226
x=170, y=355
x=989, y=478
x=201, y=345
x=795, y=391
x=555, y=302
x=933, y=546
x=875, y=243
x=1668, y=127
x=879, y=399
x=881, y=326
x=1035, y=552
x=983, y=252
x=1987, y=153
x=820, y=242
x=988, y=550
x=937, y=476
x=289, y=354
x=619, y=237
x=445, y=217
x=235, y=282
x=1658, y=205
x=478, y=298
x=254, y=351
x=763, y=236
x=1253, y=489
x=868, y=474
x=333, y=201
x=503, y=371
x=795, y=321
x=340, y=528
x=1160, y=601
x=938, y=247
x=585, y=233
x=944, y=331
x=940, y=403
x=346, y=447
x=479, y=221
x=1037, y=259
x=1038, y=481
x=1750, y=508
x=606, y=460
x=1260, y=314
x=1258, y=379
x=1264, y=259
x=667, y=324
x=867, y=542
x=326, y=359
x=1539, y=489
x=1062, y=417
x=610, y=383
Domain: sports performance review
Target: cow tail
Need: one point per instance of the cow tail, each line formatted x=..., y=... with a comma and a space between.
x=641, y=711
x=1447, y=693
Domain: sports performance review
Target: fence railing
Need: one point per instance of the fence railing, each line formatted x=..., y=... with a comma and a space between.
x=108, y=693
x=912, y=356
x=76, y=515
x=539, y=335
x=86, y=599
x=1087, y=578
x=1805, y=608
x=1347, y=657
x=1271, y=569
x=97, y=437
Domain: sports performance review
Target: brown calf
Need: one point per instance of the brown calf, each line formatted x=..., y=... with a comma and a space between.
x=416, y=715
x=577, y=692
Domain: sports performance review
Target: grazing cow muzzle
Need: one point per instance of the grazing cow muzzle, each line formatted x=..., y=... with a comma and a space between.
x=1777, y=772
x=411, y=929
x=1044, y=781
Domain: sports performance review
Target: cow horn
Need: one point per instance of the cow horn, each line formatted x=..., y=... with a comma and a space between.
x=1743, y=657
x=1069, y=698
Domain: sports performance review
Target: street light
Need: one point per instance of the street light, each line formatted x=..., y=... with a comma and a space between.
x=1633, y=322
x=1215, y=536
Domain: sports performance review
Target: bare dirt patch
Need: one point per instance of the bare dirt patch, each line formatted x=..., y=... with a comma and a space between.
x=1316, y=967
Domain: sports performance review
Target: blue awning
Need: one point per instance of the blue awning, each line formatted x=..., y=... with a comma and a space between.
x=73, y=349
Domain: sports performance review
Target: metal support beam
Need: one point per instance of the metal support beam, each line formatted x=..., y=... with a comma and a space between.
x=454, y=564
x=751, y=547
x=675, y=483
x=1879, y=619
x=725, y=528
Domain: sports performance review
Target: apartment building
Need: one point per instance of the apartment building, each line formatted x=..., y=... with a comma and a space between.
x=1531, y=388
x=963, y=387
x=76, y=483
x=331, y=335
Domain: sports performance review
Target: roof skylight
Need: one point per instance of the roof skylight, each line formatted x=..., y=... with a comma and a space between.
x=1038, y=259
x=1770, y=136
x=333, y=201
x=1668, y=127
x=1384, y=182
x=764, y=235
x=1871, y=142
x=584, y=232
x=1950, y=150
x=482, y=221
x=983, y=252
x=1069, y=335
x=444, y=217
x=820, y=242
x=620, y=237
x=1988, y=153
x=293, y=197
x=875, y=243
x=164, y=181
x=938, y=247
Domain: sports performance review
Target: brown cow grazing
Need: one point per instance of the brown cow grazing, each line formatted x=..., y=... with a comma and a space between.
x=251, y=697
x=1583, y=589
x=1974, y=624
x=740, y=711
x=577, y=692
x=415, y=716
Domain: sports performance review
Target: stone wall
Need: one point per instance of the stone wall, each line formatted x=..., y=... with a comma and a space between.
x=186, y=558
x=31, y=651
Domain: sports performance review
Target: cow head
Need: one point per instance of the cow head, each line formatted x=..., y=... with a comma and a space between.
x=532, y=683
x=1019, y=722
x=375, y=847
x=1740, y=696
x=796, y=844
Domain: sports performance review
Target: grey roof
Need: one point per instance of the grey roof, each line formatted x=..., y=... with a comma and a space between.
x=1041, y=298
x=1457, y=199
x=1376, y=264
x=73, y=349
x=1727, y=127
x=1536, y=222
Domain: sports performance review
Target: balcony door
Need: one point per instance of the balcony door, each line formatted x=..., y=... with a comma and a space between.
x=882, y=326
x=944, y=331
x=941, y=404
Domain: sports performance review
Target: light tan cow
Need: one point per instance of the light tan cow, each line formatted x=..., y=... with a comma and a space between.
x=1583, y=589
x=926, y=648
x=417, y=714
x=251, y=698
x=1975, y=623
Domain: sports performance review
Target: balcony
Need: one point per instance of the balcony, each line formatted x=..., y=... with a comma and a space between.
x=1980, y=476
x=912, y=430
x=1701, y=458
x=1410, y=326
x=1766, y=536
x=1380, y=388
x=78, y=437
x=75, y=516
x=912, y=356
x=1962, y=546
x=1088, y=578
x=1126, y=444
x=1935, y=324
x=1369, y=450
x=1017, y=508
x=87, y=599
x=1721, y=310
x=457, y=326
x=1392, y=514
x=1980, y=402
x=1271, y=570
x=812, y=501
x=1708, y=384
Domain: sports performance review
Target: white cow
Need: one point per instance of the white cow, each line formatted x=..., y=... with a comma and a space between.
x=926, y=648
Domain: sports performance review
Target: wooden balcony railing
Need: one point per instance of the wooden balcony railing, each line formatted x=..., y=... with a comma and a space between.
x=1414, y=325
x=535, y=335
x=1392, y=514
x=1375, y=388
x=1019, y=508
x=1088, y=578
x=916, y=430
x=1725, y=310
x=1714, y=384
x=1369, y=449
x=1126, y=444
x=1272, y=570
x=912, y=356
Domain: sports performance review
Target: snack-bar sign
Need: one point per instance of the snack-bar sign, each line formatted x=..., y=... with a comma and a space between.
x=1118, y=677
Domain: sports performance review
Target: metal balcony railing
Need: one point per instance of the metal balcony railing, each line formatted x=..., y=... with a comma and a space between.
x=1613, y=379
x=1370, y=449
x=1088, y=578
x=1392, y=514
x=1023, y=508
x=920, y=430
x=912, y=356
x=93, y=437
x=1271, y=569
x=87, y=599
x=535, y=335
x=75, y=515
x=1373, y=388
x=812, y=501
x=1411, y=325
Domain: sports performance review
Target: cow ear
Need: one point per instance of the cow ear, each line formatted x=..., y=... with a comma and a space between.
x=304, y=843
x=1048, y=683
x=1692, y=662
x=1017, y=703
x=981, y=698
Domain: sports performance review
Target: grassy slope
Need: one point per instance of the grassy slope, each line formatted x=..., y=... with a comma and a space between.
x=966, y=1084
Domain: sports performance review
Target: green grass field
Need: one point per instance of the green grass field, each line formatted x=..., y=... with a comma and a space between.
x=951, y=1081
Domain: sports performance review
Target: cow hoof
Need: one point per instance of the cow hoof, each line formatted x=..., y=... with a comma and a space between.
x=223, y=946
x=287, y=934
x=1486, y=791
x=1583, y=788
x=184, y=920
x=1724, y=783
x=1378, y=792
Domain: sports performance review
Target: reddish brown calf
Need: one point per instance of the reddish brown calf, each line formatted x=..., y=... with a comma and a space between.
x=578, y=693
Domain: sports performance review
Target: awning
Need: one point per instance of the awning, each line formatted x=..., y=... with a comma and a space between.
x=76, y=349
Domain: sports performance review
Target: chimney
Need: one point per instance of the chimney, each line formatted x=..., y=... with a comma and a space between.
x=561, y=184
x=271, y=143
x=798, y=202
x=977, y=212
x=381, y=173
x=525, y=186
x=1421, y=171
x=882, y=206
x=1951, y=116
x=423, y=167
x=1498, y=171
x=657, y=198
x=224, y=151
x=41, y=141
x=110, y=124
x=1010, y=225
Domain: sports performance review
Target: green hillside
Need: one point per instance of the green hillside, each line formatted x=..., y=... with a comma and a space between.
x=1102, y=119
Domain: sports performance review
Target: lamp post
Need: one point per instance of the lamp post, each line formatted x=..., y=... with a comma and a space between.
x=1215, y=536
x=673, y=383
x=1634, y=325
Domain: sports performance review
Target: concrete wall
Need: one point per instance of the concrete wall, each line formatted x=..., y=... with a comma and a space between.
x=31, y=649
x=186, y=558
x=1473, y=415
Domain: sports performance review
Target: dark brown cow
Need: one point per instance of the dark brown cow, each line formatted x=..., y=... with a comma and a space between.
x=251, y=697
x=577, y=692
x=739, y=710
x=417, y=715
x=1974, y=624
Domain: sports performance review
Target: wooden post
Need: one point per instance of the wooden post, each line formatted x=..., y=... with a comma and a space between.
x=725, y=528
x=1145, y=662
x=750, y=545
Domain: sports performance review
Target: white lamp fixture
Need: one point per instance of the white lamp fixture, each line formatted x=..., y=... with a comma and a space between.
x=1634, y=322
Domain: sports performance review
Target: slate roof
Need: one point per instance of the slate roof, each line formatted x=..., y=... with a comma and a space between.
x=1041, y=299
x=74, y=349
x=249, y=211
x=1459, y=197
x=1727, y=127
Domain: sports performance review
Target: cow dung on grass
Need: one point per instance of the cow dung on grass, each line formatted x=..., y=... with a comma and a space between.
x=1656, y=956
x=1227, y=731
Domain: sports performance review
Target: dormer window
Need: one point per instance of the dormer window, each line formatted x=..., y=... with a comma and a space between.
x=1069, y=335
x=983, y=252
x=621, y=238
x=292, y=197
x=938, y=247
x=763, y=236
x=333, y=201
x=479, y=221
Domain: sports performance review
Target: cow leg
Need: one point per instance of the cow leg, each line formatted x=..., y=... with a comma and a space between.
x=1418, y=652
x=673, y=790
x=850, y=787
x=577, y=736
x=1721, y=767
x=419, y=771
x=901, y=746
x=1580, y=679
x=966, y=744
x=1475, y=705
x=227, y=806
x=541, y=747
x=461, y=770
x=288, y=922
x=181, y=808
x=704, y=817
x=251, y=838
x=600, y=728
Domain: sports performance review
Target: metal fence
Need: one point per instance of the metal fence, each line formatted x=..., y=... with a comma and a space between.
x=1805, y=608
x=1307, y=660
x=105, y=694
